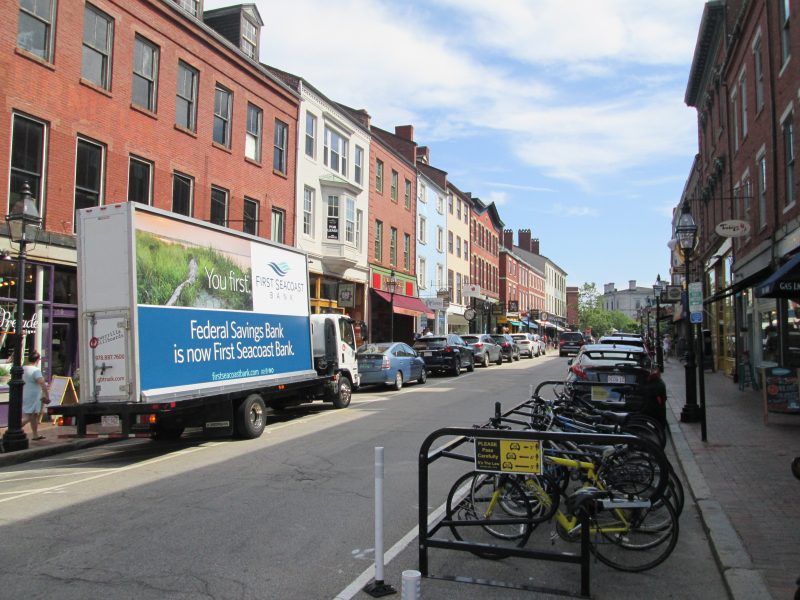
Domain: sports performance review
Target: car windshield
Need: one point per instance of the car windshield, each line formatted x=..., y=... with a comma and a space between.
x=520, y=336
x=470, y=339
x=499, y=338
x=379, y=348
x=430, y=342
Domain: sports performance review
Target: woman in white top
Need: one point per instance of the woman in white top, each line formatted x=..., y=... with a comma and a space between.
x=34, y=393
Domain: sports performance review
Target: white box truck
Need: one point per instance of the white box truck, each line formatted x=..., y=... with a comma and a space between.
x=188, y=324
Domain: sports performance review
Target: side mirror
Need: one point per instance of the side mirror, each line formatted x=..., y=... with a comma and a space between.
x=569, y=362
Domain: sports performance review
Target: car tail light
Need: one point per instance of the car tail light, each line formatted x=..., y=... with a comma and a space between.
x=478, y=346
x=562, y=342
x=447, y=350
x=505, y=344
x=578, y=371
x=654, y=375
x=385, y=363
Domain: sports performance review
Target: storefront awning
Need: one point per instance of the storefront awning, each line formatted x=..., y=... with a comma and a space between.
x=515, y=323
x=406, y=305
x=783, y=283
x=531, y=324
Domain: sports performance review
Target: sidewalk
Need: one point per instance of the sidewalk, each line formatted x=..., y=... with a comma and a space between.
x=742, y=482
x=53, y=443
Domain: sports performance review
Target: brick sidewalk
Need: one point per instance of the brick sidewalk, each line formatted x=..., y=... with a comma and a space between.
x=746, y=467
x=55, y=441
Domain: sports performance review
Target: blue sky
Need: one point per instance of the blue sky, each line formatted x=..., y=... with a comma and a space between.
x=568, y=115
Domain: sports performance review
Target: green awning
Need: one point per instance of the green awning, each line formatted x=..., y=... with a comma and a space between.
x=515, y=323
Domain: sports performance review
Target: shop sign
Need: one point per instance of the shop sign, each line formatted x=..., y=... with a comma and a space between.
x=471, y=290
x=781, y=391
x=8, y=322
x=733, y=228
x=434, y=303
x=347, y=295
x=513, y=306
x=333, y=228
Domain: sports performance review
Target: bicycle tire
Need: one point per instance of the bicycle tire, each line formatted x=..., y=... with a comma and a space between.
x=651, y=423
x=471, y=499
x=647, y=541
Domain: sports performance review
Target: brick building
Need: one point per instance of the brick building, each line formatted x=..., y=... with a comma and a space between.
x=744, y=85
x=149, y=104
x=486, y=229
x=521, y=286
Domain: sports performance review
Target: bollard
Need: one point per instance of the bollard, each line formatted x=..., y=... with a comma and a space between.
x=377, y=587
x=412, y=585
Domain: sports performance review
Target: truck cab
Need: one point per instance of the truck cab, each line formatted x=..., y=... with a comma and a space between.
x=333, y=343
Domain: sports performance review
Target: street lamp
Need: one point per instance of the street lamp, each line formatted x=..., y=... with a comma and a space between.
x=24, y=223
x=686, y=234
x=649, y=303
x=392, y=284
x=657, y=288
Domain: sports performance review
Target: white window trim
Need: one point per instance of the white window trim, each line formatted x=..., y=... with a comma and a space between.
x=313, y=198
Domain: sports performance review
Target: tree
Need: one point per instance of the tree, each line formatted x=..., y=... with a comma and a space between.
x=588, y=297
x=592, y=315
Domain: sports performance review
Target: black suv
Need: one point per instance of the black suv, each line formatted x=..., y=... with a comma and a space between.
x=445, y=353
x=570, y=342
x=508, y=346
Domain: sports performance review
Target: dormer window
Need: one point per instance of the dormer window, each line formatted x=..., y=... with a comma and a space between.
x=249, y=39
x=190, y=6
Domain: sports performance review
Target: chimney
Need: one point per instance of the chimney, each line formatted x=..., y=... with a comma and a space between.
x=405, y=131
x=508, y=239
x=535, y=245
x=632, y=285
x=608, y=288
x=524, y=238
x=424, y=154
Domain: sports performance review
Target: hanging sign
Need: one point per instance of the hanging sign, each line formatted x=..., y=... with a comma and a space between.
x=733, y=228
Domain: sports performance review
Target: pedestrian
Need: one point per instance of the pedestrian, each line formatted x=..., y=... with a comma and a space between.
x=667, y=345
x=34, y=393
x=426, y=332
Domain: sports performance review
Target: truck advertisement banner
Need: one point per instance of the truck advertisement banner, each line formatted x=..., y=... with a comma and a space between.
x=217, y=309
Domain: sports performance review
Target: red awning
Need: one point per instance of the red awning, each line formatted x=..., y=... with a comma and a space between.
x=405, y=305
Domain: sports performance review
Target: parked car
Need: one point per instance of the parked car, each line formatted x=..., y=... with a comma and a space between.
x=526, y=344
x=625, y=339
x=448, y=353
x=569, y=342
x=508, y=346
x=629, y=374
x=390, y=363
x=542, y=346
x=484, y=349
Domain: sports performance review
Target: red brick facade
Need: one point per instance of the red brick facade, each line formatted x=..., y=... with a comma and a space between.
x=485, y=231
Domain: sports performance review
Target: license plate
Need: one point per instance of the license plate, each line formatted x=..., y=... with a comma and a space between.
x=109, y=421
x=616, y=379
x=427, y=354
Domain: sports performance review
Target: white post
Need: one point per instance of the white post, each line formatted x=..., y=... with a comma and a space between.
x=412, y=585
x=379, y=513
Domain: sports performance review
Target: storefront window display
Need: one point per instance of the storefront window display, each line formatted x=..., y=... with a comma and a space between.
x=792, y=338
x=767, y=332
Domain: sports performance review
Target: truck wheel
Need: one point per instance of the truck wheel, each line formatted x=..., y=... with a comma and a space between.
x=342, y=399
x=251, y=417
x=398, y=381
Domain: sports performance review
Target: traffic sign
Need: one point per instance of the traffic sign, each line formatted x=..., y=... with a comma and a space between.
x=696, y=297
x=696, y=317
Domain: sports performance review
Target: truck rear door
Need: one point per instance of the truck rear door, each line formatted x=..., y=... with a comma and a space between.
x=108, y=335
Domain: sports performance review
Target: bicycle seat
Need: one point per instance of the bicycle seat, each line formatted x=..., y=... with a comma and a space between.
x=614, y=417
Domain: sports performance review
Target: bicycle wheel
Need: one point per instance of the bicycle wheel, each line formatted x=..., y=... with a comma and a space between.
x=635, y=539
x=498, y=503
x=674, y=492
x=652, y=424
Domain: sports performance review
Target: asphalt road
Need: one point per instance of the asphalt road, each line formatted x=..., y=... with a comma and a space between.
x=289, y=515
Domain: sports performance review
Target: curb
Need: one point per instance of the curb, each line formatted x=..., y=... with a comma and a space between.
x=21, y=456
x=742, y=580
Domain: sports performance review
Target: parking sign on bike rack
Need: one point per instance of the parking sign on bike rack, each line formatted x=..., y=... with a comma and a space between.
x=508, y=456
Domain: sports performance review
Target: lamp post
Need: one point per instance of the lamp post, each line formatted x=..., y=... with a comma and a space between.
x=23, y=225
x=657, y=287
x=392, y=284
x=649, y=303
x=686, y=234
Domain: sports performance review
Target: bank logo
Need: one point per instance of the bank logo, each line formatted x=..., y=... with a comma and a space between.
x=281, y=269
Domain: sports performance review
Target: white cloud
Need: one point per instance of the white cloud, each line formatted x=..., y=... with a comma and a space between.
x=499, y=198
x=524, y=188
x=563, y=210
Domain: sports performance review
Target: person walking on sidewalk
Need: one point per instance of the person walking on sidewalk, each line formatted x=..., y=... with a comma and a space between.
x=34, y=393
x=666, y=346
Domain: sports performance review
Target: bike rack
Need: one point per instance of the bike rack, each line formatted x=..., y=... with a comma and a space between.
x=461, y=435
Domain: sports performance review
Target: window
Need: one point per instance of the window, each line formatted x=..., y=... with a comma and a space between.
x=439, y=276
x=422, y=274
x=98, y=34
x=466, y=250
x=785, y=37
x=311, y=135
x=250, y=216
x=335, y=151
x=358, y=164
x=189, y=6
x=182, y=193
x=359, y=228
x=280, y=149
x=219, y=206
x=222, y=116
x=378, y=241
x=393, y=246
x=350, y=220
x=308, y=211
x=788, y=154
x=450, y=202
x=35, y=27
x=743, y=93
x=459, y=285
x=466, y=214
x=145, y=74
x=439, y=204
x=394, y=186
x=252, y=141
x=423, y=226
x=747, y=195
x=407, y=198
x=140, y=180
x=333, y=217
x=450, y=282
x=423, y=192
x=186, y=97
x=276, y=230
x=458, y=247
x=89, y=174
x=249, y=39
x=450, y=242
x=406, y=251
x=379, y=176
x=762, y=189
x=735, y=110
x=758, y=68
x=458, y=209
x=439, y=239
x=27, y=158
